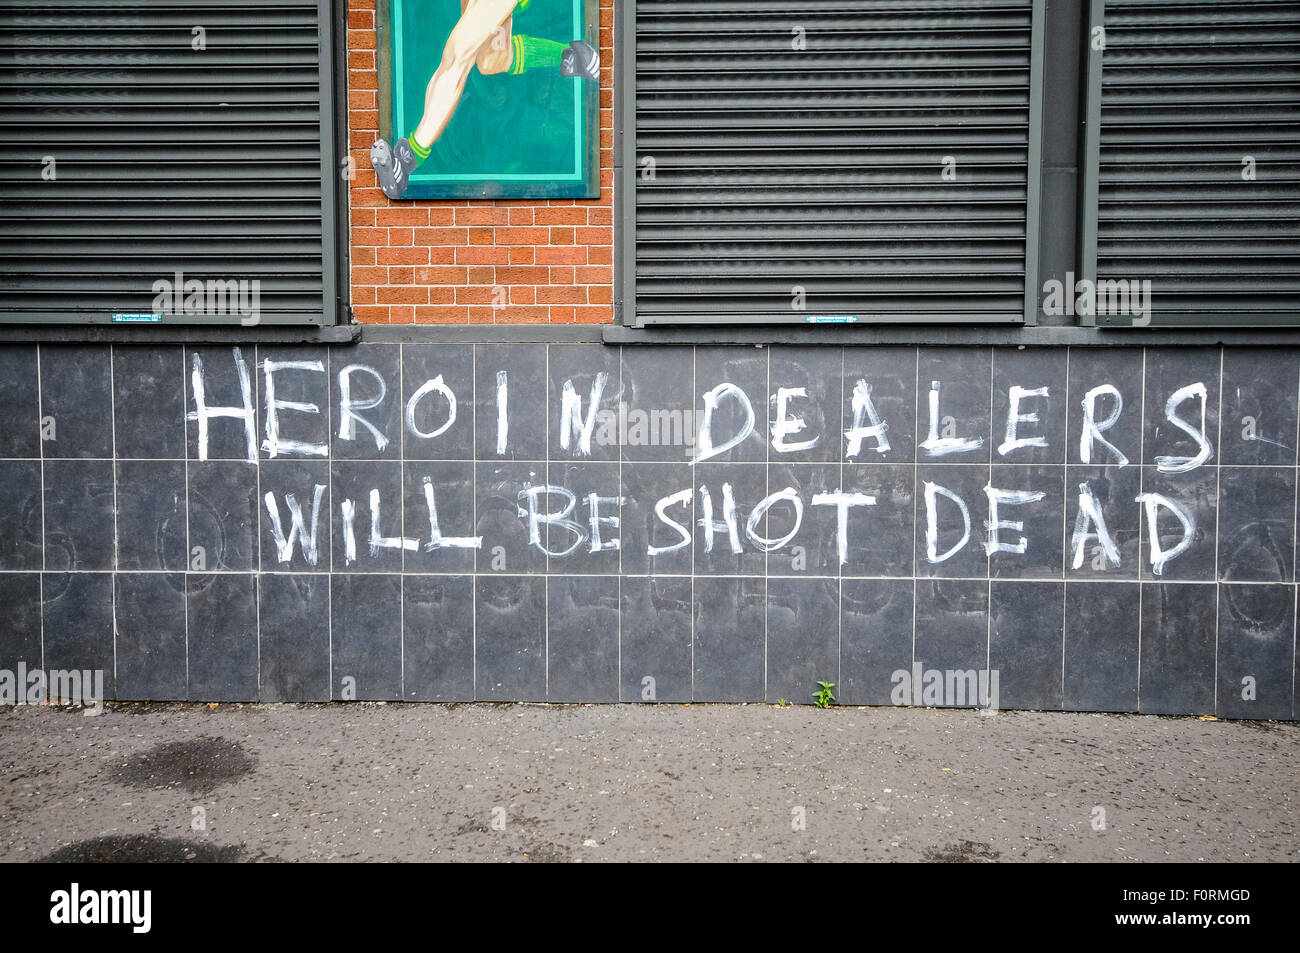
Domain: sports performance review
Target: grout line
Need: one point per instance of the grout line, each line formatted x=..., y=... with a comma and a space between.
x=1065, y=522
x=916, y=486
x=1142, y=453
x=1218, y=507
x=257, y=543
x=474, y=521
x=839, y=569
x=618, y=428
x=189, y=542
x=1295, y=532
x=112, y=421
x=40, y=440
x=401, y=533
x=988, y=558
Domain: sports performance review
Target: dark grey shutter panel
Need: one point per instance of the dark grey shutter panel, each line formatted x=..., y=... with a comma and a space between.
x=207, y=162
x=776, y=169
x=1192, y=96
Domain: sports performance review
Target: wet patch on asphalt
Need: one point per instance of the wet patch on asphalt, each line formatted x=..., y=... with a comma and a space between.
x=142, y=848
x=199, y=765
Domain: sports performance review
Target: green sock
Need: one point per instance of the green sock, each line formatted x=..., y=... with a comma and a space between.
x=421, y=153
x=532, y=53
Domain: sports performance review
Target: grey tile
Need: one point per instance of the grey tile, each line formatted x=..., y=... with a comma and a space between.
x=647, y=489
x=20, y=500
x=79, y=514
x=958, y=430
x=814, y=404
x=149, y=617
x=369, y=425
x=222, y=611
x=510, y=622
x=1026, y=643
x=876, y=617
x=1105, y=382
x=502, y=491
x=720, y=535
x=1256, y=524
x=1256, y=646
x=151, y=524
x=656, y=649
x=1102, y=622
x=803, y=638
x=884, y=380
x=229, y=428
x=880, y=536
x=441, y=493
x=952, y=632
x=149, y=402
x=77, y=609
x=656, y=420
x=76, y=393
x=295, y=638
x=593, y=529
x=731, y=397
x=438, y=434
x=366, y=637
x=438, y=638
x=1259, y=406
x=1195, y=496
x=1168, y=372
x=517, y=371
x=20, y=636
x=19, y=402
x=729, y=623
x=293, y=402
x=372, y=494
x=296, y=522
x=1040, y=528
x=1177, y=649
x=813, y=549
x=583, y=370
x=1036, y=380
x=582, y=639
x=956, y=534
x=1112, y=492
x=224, y=515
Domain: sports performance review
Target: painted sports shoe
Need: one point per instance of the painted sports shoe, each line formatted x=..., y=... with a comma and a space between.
x=393, y=166
x=581, y=59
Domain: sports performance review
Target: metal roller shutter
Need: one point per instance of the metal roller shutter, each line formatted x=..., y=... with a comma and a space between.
x=777, y=169
x=215, y=162
x=1194, y=159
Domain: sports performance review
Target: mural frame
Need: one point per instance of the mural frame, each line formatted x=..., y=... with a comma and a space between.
x=580, y=181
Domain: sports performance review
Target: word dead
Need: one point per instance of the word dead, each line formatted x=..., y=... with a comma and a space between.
x=561, y=524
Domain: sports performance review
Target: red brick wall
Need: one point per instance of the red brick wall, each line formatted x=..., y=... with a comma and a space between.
x=440, y=262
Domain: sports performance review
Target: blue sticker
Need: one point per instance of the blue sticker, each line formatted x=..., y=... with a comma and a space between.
x=832, y=319
x=137, y=318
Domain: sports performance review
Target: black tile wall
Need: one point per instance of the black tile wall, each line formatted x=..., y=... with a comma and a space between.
x=204, y=608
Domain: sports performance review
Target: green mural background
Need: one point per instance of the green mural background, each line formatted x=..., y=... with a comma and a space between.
x=535, y=135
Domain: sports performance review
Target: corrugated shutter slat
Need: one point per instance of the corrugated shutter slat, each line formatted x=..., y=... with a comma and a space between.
x=1189, y=91
x=820, y=169
x=206, y=162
